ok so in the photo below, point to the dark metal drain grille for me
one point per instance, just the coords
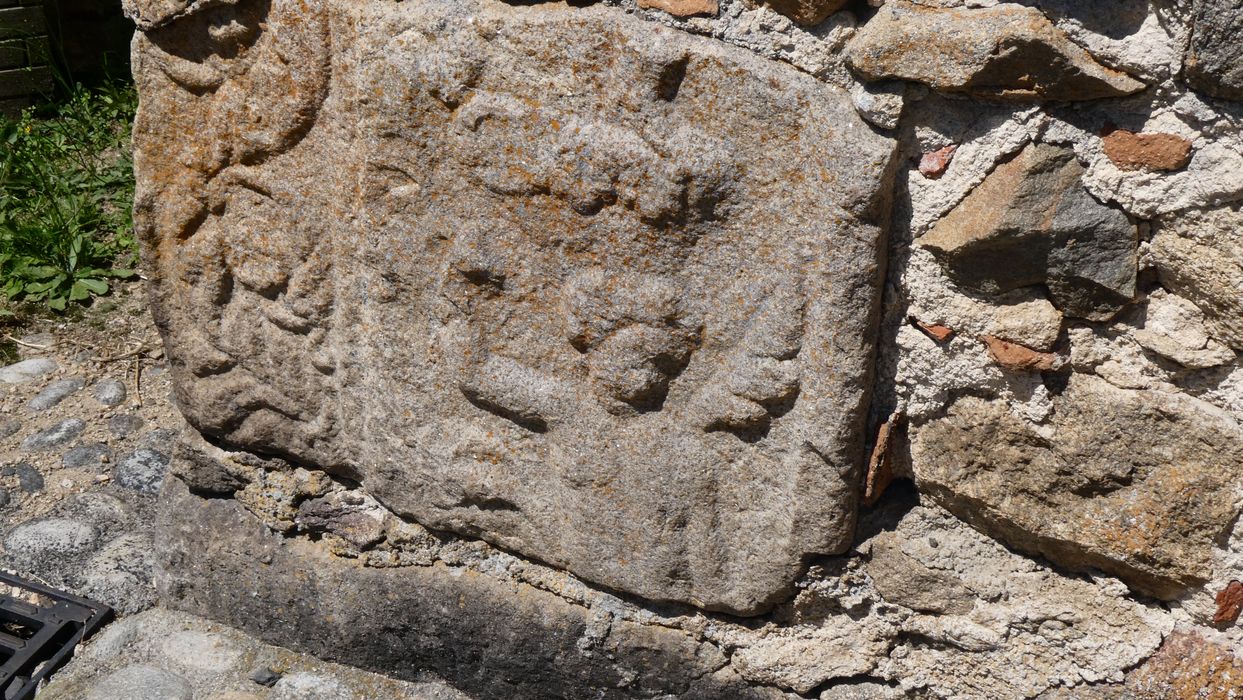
(35, 640)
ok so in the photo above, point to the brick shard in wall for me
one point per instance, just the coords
(592, 290)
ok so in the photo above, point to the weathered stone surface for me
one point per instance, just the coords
(1187, 667)
(1131, 151)
(1214, 61)
(682, 8)
(109, 392)
(1175, 329)
(1200, 257)
(632, 342)
(806, 12)
(1138, 484)
(1229, 601)
(1032, 222)
(1006, 52)
(508, 640)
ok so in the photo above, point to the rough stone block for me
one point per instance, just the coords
(1103, 486)
(592, 290)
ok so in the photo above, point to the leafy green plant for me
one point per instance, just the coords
(66, 188)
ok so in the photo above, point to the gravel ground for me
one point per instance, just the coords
(86, 429)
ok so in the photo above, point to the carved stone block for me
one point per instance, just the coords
(592, 290)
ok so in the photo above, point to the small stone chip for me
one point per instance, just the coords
(1229, 602)
(1018, 358)
(265, 676)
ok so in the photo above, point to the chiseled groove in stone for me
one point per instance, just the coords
(594, 291)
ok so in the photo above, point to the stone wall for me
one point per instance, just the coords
(25, 55)
(706, 349)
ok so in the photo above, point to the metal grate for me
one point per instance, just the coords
(39, 628)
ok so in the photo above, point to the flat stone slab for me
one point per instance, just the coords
(26, 370)
(606, 297)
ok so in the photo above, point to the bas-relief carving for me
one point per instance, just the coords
(570, 300)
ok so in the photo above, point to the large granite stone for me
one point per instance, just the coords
(1214, 61)
(592, 290)
(1138, 484)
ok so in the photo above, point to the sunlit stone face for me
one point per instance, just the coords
(594, 291)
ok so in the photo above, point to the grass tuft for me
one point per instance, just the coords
(66, 192)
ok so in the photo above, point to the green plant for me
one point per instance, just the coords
(66, 188)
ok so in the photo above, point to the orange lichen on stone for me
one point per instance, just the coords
(1017, 358)
(1187, 667)
(1131, 151)
(681, 8)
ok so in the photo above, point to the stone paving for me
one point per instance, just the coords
(86, 426)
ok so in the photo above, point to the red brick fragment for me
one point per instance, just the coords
(1229, 603)
(1017, 358)
(1155, 151)
(934, 163)
(938, 332)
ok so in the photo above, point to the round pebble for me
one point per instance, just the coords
(308, 686)
(109, 392)
(51, 536)
(125, 424)
(27, 370)
(143, 470)
(54, 436)
(28, 478)
(55, 392)
(141, 682)
(9, 427)
(265, 676)
(85, 456)
(4, 498)
(202, 650)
